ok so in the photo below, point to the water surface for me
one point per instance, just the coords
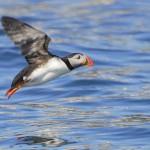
(105, 107)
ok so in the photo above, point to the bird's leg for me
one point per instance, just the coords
(10, 92)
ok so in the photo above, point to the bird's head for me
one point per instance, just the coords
(76, 60)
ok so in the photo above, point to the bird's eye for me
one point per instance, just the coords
(78, 57)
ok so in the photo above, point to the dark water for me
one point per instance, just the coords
(105, 107)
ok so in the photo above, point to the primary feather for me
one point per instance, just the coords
(32, 43)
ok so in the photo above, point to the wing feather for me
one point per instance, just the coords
(32, 43)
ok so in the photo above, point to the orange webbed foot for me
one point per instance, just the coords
(11, 91)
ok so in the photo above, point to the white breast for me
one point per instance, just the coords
(54, 68)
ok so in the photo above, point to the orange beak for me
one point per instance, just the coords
(88, 62)
(11, 91)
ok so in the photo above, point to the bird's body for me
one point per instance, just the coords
(43, 73)
(43, 65)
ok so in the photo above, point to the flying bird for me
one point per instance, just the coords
(43, 66)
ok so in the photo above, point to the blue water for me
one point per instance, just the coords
(105, 107)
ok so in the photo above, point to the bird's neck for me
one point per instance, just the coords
(66, 61)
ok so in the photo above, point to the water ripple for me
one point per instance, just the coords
(104, 107)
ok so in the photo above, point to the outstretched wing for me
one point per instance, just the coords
(32, 43)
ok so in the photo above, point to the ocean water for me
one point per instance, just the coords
(105, 107)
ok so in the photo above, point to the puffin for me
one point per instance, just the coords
(43, 66)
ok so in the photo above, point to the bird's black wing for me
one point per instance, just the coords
(32, 43)
(24, 72)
